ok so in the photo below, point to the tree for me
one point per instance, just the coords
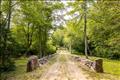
(105, 20)
(34, 25)
(85, 26)
(82, 10)
(6, 40)
(5, 26)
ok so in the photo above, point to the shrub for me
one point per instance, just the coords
(50, 47)
(8, 66)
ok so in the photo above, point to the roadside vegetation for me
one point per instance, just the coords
(111, 69)
(110, 66)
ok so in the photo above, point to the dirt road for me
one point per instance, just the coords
(64, 69)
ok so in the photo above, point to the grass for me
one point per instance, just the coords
(20, 68)
(110, 66)
(20, 71)
(111, 69)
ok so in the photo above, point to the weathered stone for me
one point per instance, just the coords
(29, 66)
(88, 63)
(42, 61)
(32, 63)
(77, 58)
(98, 65)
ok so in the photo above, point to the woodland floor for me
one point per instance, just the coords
(62, 67)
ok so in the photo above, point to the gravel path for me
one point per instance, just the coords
(64, 69)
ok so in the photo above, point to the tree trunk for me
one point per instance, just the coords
(40, 43)
(5, 52)
(9, 15)
(70, 46)
(85, 25)
(28, 36)
(0, 34)
(44, 43)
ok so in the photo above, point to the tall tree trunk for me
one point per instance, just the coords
(28, 36)
(9, 15)
(70, 46)
(0, 34)
(40, 42)
(5, 55)
(31, 36)
(85, 25)
(45, 41)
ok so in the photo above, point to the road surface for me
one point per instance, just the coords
(64, 69)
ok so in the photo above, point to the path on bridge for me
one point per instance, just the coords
(64, 69)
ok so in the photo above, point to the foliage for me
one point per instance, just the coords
(104, 34)
(6, 40)
(102, 28)
(51, 48)
(24, 28)
(57, 37)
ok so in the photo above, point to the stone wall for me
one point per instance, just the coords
(96, 65)
(34, 62)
